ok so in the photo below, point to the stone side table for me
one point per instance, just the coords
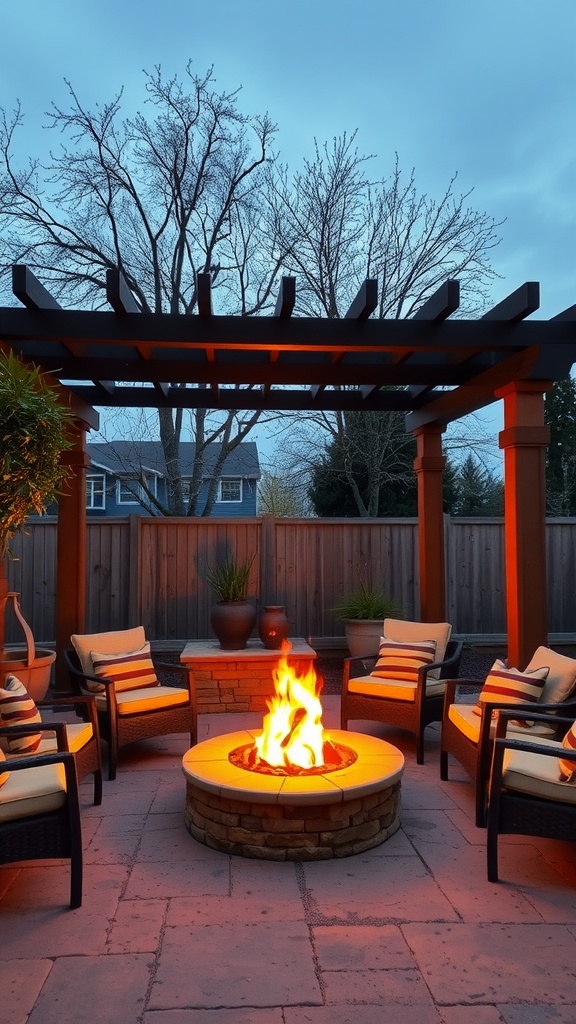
(238, 680)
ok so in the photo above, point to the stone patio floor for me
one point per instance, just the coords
(171, 932)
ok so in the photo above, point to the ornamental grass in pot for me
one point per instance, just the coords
(363, 611)
(233, 617)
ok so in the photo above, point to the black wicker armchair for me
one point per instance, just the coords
(135, 714)
(413, 708)
(469, 737)
(39, 808)
(526, 796)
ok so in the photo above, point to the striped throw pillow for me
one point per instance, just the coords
(398, 660)
(18, 708)
(568, 768)
(505, 685)
(4, 776)
(130, 671)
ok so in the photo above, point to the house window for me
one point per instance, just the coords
(230, 490)
(130, 492)
(95, 490)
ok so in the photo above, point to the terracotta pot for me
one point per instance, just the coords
(34, 675)
(233, 622)
(32, 666)
(273, 626)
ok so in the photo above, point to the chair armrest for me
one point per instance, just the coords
(522, 711)
(452, 661)
(38, 760)
(87, 700)
(177, 667)
(10, 731)
(359, 665)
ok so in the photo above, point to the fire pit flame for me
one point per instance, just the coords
(292, 733)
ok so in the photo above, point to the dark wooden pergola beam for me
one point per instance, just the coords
(298, 334)
(518, 305)
(282, 399)
(204, 294)
(365, 301)
(440, 305)
(28, 289)
(286, 298)
(119, 294)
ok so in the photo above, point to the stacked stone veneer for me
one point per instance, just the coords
(238, 680)
(284, 832)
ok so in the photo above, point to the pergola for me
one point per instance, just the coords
(433, 368)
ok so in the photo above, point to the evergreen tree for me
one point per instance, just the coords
(478, 491)
(560, 415)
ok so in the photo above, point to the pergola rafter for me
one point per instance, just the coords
(433, 367)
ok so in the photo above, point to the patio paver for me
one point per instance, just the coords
(171, 932)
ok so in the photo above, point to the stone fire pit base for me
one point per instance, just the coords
(302, 818)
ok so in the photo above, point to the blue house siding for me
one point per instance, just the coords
(111, 483)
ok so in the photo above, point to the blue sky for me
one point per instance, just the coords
(484, 88)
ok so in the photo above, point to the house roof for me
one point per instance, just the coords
(124, 457)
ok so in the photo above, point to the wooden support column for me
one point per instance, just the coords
(71, 555)
(429, 466)
(523, 440)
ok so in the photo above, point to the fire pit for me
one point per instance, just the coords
(293, 791)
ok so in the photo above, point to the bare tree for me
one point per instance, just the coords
(337, 227)
(161, 196)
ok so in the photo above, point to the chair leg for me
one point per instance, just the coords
(98, 787)
(444, 765)
(492, 848)
(76, 881)
(420, 746)
(112, 758)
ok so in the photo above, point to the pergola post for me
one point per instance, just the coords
(429, 466)
(523, 440)
(71, 554)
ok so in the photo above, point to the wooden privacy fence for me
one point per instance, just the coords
(153, 571)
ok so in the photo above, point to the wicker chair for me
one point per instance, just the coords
(526, 796)
(82, 740)
(468, 737)
(39, 808)
(137, 713)
(407, 706)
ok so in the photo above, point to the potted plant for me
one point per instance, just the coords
(233, 617)
(363, 611)
(33, 433)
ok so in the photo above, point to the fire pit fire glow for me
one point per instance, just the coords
(292, 734)
(293, 740)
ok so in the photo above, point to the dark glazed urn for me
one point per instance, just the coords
(273, 626)
(233, 622)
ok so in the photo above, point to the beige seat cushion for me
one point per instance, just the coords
(561, 680)
(150, 698)
(536, 775)
(402, 629)
(396, 689)
(465, 718)
(114, 642)
(78, 733)
(32, 791)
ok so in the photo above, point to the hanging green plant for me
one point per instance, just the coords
(33, 434)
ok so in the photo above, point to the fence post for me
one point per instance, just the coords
(267, 568)
(135, 570)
